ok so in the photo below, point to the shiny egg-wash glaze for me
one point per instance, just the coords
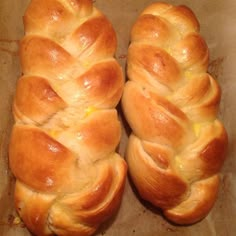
(177, 145)
(69, 179)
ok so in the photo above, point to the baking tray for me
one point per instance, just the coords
(135, 217)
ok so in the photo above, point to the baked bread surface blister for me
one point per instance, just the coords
(69, 178)
(177, 145)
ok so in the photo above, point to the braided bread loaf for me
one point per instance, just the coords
(69, 179)
(177, 145)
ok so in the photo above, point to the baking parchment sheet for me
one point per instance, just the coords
(135, 217)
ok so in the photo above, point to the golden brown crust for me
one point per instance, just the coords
(62, 148)
(160, 186)
(177, 146)
(202, 198)
(36, 99)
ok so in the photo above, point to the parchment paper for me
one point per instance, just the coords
(135, 218)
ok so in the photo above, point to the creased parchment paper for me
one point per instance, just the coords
(135, 218)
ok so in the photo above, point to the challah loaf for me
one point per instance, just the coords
(177, 145)
(69, 178)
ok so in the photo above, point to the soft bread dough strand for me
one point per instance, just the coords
(177, 145)
(69, 179)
